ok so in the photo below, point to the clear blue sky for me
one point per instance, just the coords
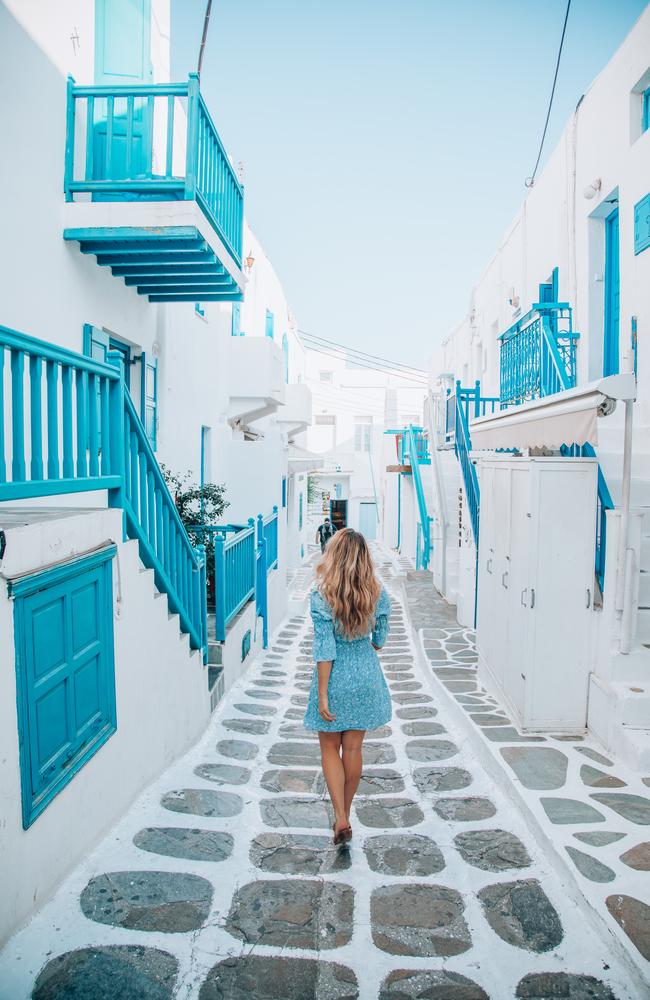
(386, 142)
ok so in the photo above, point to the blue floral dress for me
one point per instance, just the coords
(357, 692)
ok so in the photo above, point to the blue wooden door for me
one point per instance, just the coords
(65, 674)
(368, 520)
(122, 56)
(612, 295)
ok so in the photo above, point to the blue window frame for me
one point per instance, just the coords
(612, 295)
(645, 119)
(65, 674)
(268, 328)
(149, 397)
(199, 310)
(284, 491)
(300, 512)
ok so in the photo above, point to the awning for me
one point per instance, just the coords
(569, 417)
(301, 460)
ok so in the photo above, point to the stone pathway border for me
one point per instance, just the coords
(589, 812)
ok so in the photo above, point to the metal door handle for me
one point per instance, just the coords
(503, 579)
(532, 599)
(588, 597)
(488, 565)
(523, 593)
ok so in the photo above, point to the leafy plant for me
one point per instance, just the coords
(311, 489)
(198, 507)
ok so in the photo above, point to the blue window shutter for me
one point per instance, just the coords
(284, 491)
(149, 397)
(96, 343)
(65, 673)
(269, 324)
(285, 354)
(236, 319)
(642, 224)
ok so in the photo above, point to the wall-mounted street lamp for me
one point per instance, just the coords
(248, 262)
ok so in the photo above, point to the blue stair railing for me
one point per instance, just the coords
(114, 152)
(90, 437)
(604, 503)
(234, 574)
(538, 354)
(415, 451)
(269, 529)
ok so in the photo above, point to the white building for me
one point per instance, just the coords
(122, 244)
(354, 407)
(575, 259)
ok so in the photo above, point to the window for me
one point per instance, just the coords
(149, 397)
(645, 110)
(324, 432)
(268, 328)
(65, 673)
(640, 107)
(362, 433)
(284, 491)
(300, 511)
(326, 377)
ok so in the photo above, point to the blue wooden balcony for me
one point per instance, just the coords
(151, 191)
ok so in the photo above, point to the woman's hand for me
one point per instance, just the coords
(324, 712)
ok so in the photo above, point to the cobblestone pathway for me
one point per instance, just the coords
(221, 881)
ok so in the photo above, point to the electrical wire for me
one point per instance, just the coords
(363, 354)
(413, 379)
(531, 180)
(204, 36)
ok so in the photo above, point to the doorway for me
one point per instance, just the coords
(612, 295)
(368, 520)
(339, 513)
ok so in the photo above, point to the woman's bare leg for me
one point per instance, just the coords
(330, 749)
(352, 741)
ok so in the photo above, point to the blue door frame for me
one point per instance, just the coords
(612, 295)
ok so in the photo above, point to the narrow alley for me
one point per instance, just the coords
(221, 881)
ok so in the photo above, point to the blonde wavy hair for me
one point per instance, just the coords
(345, 576)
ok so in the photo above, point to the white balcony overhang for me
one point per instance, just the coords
(569, 417)
(256, 383)
(167, 250)
(296, 414)
(300, 460)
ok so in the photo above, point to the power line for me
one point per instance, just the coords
(204, 36)
(364, 354)
(413, 379)
(531, 180)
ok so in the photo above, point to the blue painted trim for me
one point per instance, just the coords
(645, 111)
(269, 324)
(36, 799)
(611, 358)
(642, 225)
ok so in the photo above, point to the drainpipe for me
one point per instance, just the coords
(625, 559)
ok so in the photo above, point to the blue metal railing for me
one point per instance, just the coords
(463, 447)
(471, 403)
(538, 357)
(268, 529)
(90, 437)
(419, 445)
(235, 574)
(413, 445)
(122, 143)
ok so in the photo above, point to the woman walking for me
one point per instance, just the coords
(350, 611)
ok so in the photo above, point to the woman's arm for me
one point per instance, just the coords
(324, 668)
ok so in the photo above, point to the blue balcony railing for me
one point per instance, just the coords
(472, 405)
(414, 440)
(152, 142)
(268, 529)
(89, 437)
(415, 451)
(538, 354)
(234, 574)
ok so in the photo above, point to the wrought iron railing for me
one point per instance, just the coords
(90, 437)
(538, 354)
(152, 142)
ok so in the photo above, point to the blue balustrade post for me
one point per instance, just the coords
(203, 598)
(68, 172)
(263, 593)
(192, 152)
(260, 529)
(220, 585)
(117, 496)
(477, 398)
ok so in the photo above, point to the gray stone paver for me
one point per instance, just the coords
(250, 899)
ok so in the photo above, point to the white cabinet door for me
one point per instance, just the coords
(485, 633)
(502, 569)
(516, 666)
(562, 544)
